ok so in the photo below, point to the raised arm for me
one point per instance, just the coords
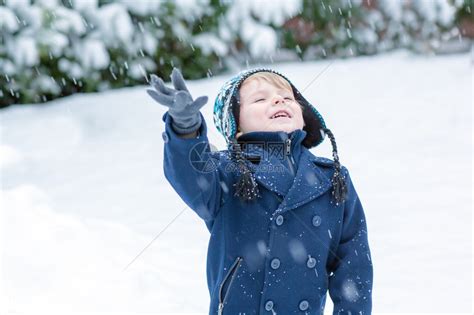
(188, 161)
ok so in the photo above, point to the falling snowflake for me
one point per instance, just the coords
(297, 250)
(349, 290)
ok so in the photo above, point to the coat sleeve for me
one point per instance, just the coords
(350, 267)
(192, 170)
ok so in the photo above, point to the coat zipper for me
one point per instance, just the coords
(288, 153)
(292, 163)
(232, 271)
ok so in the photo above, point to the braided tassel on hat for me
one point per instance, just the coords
(339, 191)
(246, 187)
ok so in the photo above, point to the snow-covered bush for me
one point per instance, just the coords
(354, 27)
(53, 48)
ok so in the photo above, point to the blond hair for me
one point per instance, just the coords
(271, 78)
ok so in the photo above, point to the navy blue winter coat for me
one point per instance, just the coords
(282, 253)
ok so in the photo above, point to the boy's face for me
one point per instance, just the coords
(260, 101)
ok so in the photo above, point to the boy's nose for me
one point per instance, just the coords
(278, 99)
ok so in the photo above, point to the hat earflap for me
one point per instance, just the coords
(339, 191)
(246, 186)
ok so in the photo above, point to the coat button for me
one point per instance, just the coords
(311, 262)
(269, 305)
(279, 220)
(304, 305)
(275, 264)
(316, 220)
(165, 137)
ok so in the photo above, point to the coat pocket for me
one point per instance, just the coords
(229, 278)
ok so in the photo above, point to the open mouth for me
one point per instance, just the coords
(281, 114)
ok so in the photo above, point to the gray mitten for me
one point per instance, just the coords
(183, 110)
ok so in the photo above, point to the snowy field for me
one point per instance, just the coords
(83, 191)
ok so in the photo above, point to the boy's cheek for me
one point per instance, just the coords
(249, 116)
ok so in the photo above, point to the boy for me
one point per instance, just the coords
(286, 226)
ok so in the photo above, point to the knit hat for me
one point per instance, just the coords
(226, 123)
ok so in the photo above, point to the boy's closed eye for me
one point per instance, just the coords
(263, 99)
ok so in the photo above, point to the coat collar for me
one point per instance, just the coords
(271, 170)
(274, 156)
(258, 143)
(310, 182)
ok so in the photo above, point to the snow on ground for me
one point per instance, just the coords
(83, 190)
